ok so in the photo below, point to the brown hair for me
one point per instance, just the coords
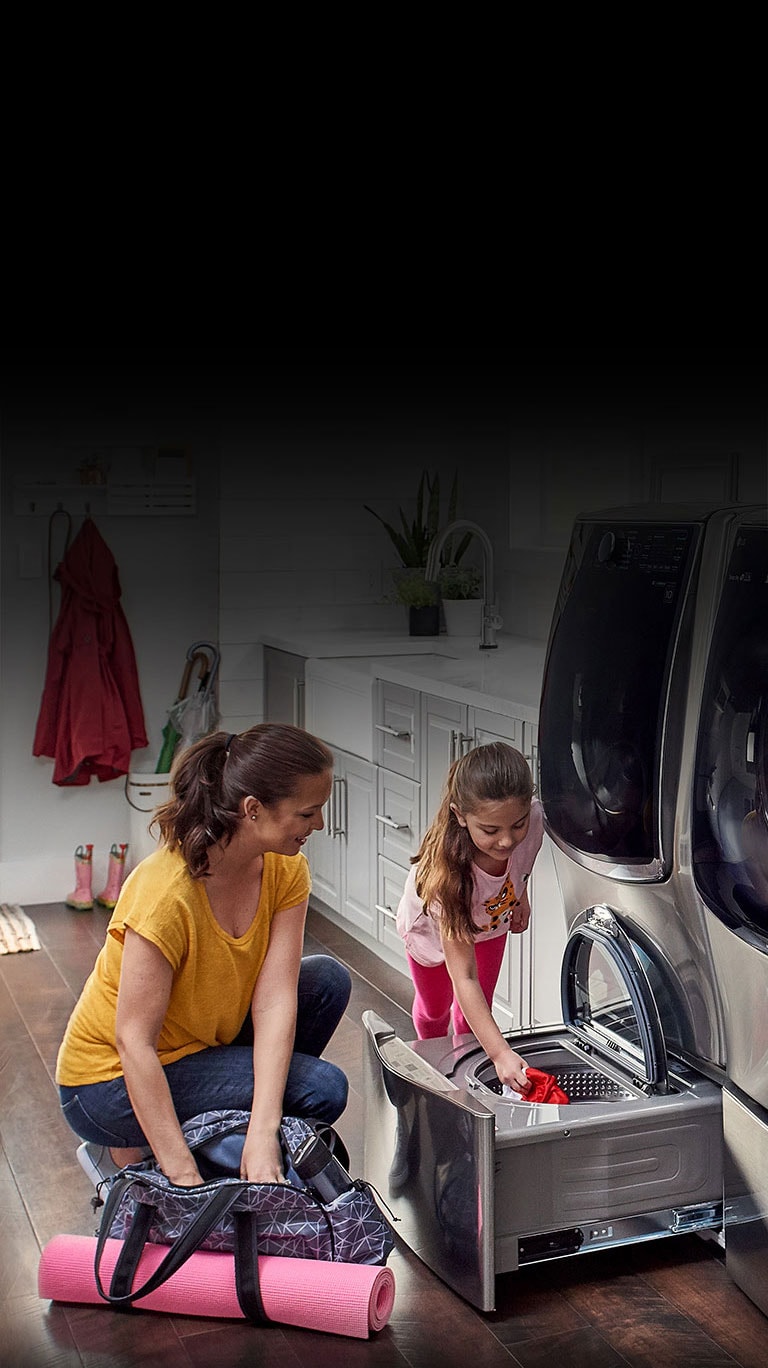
(210, 779)
(489, 773)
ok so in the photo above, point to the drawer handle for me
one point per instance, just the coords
(396, 826)
(401, 736)
(386, 911)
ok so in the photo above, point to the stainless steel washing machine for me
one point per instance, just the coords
(727, 817)
(483, 1184)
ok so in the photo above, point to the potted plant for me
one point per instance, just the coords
(413, 540)
(461, 594)
(420, 597)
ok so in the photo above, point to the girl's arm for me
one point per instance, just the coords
(146, 978)
(462, 966)
(273, 1012)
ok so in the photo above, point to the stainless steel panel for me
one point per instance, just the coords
(745, 1131)
(742, 971)
(430, 1153)
(669, 922)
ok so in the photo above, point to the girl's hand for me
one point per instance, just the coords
(262, 1160)
(510, 1069)
(519, 917)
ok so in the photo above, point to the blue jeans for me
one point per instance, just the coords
(222, 1077)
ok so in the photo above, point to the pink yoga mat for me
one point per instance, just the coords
(342, 1298)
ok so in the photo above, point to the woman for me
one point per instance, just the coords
(200, 998)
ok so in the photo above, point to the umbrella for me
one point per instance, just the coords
(192, 715)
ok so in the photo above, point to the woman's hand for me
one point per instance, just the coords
(184, 1175)
(510, 1069)
(262, 1160)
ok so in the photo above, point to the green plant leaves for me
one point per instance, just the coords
(413, 542)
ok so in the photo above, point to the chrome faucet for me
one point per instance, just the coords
(491, 621)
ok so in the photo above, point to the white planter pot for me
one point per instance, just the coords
(463, 617)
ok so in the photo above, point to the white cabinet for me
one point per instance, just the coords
(342, 857)
(391, 882)
(444, 738)
(449, 729)
(283, 686)
(397, 728)
(397, 819)
(338, 704)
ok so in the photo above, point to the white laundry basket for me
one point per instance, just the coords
(144, 792)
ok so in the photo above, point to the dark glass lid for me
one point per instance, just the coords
(606, 693)
(607, 999)
(730, 800)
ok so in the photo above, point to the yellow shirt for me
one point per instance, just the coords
(214, 974)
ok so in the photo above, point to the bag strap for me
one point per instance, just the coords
(333, 1140)
(247, 1283)
(220, 1200)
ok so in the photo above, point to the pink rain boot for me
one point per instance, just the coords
(82, 897)
(115, 875)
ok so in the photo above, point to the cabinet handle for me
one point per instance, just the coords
(465, 744)
(401, 736)
(385, 911)
(396, 826)
(298, 700)
(338, 810)
(535, 765)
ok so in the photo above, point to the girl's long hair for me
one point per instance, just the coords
(210, 779)
(444, 874)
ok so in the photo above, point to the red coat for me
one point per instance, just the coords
(91, 716)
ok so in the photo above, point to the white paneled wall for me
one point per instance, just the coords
(297, 545)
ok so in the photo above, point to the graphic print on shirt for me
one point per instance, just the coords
(500, 906)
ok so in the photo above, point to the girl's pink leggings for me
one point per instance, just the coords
(433, 998)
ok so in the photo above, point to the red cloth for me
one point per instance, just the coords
(543, 1088)
(91, 716)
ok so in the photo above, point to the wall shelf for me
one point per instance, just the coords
(139, 498)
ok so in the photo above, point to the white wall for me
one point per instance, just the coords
(298, 546)
(168, 568)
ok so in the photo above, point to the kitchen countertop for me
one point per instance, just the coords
(506, 680)
(348, 641)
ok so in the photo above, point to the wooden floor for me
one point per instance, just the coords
(667, 1303)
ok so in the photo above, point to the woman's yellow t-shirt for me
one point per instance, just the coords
(214, 974)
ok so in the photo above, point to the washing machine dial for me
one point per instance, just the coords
(606, 550)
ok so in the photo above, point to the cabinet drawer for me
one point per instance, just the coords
(339, 714)
(489, 726)
(396, 728)
(390, 885)
(397, 817)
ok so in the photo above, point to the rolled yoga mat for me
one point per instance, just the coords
(341, 1298)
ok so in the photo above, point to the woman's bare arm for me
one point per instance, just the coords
(273, 1012)
(142, 1002)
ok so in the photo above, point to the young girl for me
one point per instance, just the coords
(467, 889)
